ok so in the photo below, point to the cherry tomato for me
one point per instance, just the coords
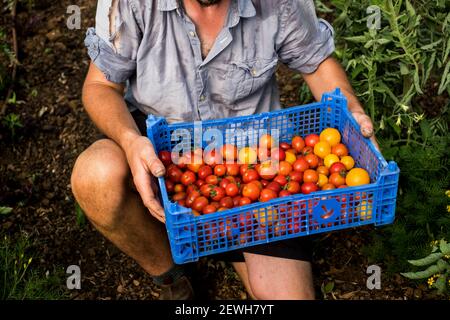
(296, 176)
(263, 154)
(312, 160)
(165, 157)
(244, 168)
(309, 187)
(300, 165)
(285, 168)
(232, 169)
(236, 201)
(250, 175)
(284, 193)
(199, 183)
(267, 195)
(229, 153)
(251, 191)
(339, 168)
(323, 180)
(330, 159)
(298, 143)
(275, 186)
(220, 170)
(179, 196)
(227, 202)
(244, 201)
(224, 182)
(188, 178)
(357, 177)
(217, 193)
(264, 182)
(330, 135)
(322, 149)
(281, 180)
(212, 157)
(293, 187)
(266, 141)
(179, 188)
(209, 209)
(278, 154)
(328, 186)
(247, 155)
(258, 184)
(191, 198)
(336, 179)
(212, 179)
(348, 162)
(169, 186)
(323, 170)
(290, 157)
(174, 173)
(267, 170)
(307, 150)
(232, 190)
(204, 171)
(206, 190)
(310, 176)
(340, 150)
(311, 140)
(285, 146)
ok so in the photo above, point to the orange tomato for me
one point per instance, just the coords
(322, 149)
(336, 179)
(357, 177)
(323, 170)
(331, 135)
(310, 176)
(328, 186)
(285, 168)
(340, 150)
(290, 157)
(323, 180)
(348, 162)
(266, 141)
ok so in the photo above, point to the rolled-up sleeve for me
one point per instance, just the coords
(113, 43)
(304, 41)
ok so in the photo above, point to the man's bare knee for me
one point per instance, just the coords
(100, 182)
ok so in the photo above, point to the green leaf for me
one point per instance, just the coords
(445, 80)
(327, 288)
(410, 9)
(5, 210)
(81, 217)
(444, 247)
(441, 284)
(426, 129)
(432, 258)
(421, 274)
(442, 265)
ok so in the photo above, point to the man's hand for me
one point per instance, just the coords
(145, 165)
(366, 126)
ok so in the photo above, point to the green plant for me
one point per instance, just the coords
(18, 280)
(437, 267)
(5, 210)
(80, 216)
(12, 122)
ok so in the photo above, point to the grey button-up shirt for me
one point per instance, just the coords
(153, 46)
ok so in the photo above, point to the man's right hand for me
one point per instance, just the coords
(144, 164)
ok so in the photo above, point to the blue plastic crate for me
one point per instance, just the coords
(193, 237)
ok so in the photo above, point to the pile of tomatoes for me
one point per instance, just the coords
(213, 181)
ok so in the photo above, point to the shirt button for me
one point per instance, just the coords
(254, 72)
(202, 98)
(192, 34)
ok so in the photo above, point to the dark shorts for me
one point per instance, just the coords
(297, 248)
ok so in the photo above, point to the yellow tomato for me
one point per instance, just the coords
(357, 177)
(248, 155)
(322, 149)
(323, 180)
(290, 157)
(266, 216)
(330, 159)
(348, 162)
(364, 210)
(331, 135)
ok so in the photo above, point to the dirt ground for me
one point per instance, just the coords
(35, 172)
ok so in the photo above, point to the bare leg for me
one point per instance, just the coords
(271, 278)
(241, 269)
(102, 185)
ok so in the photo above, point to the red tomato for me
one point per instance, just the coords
(204, 171)
(232, 169)
(169, 186)
(258, 184)
(340, 150)
(212, 179)
(312, 160)
(250, 175)
(251, 191)
(244, 168)
(217, 193)
(285, 146)
(281, 180)
(296, 176)
(263, 154)
(244, 201)
(267, 171)
(307, 150)
(328, 186)
(227, 202)
(323, 170)
(298, 143)
(267, 195)
(232, 190)
(312, 139)
(310, 176)
(266, 141)
(212, 158)
(174, 173)
(165, 157)
(206, 189)
(338, 167)
(179, 196)
(309, 187)
(199, 183)
(337, 179)
(275, 186)
(293, 187)
(264, 183)
(229, 152)
(285, 168)
(300, 165)
(284, 193)
(236, 201)
(209, 209)
(191, 188)
(188, 178)
(220, 170)
(224, 182)
(278, 154)
(191, 198)
(179, 188)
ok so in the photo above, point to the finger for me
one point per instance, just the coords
(365, 124)
(154, 165)
(142, 181)
(375, 142)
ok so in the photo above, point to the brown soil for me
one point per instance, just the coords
(35, 169)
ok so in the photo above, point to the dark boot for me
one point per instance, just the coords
(181, 289)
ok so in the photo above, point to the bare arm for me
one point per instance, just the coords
(331, 75)
(104, 102)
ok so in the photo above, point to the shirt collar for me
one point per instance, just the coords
(246, 9)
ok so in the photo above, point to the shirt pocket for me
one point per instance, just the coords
(243, 78)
